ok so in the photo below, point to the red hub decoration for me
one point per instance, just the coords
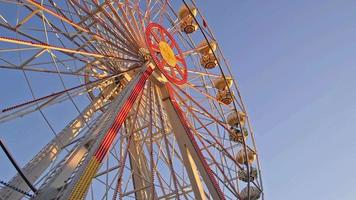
(166, 54)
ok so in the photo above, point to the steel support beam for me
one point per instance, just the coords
(18, 169)
(193, 159)
(42, 160)
(98, 150)
(139, 166)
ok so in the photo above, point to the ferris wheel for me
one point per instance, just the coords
(130, 99)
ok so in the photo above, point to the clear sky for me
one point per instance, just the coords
(295, 63)
(296, 66)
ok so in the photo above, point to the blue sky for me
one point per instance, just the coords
(295, 64)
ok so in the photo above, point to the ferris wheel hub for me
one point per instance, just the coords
(166, 54)
(144, 53)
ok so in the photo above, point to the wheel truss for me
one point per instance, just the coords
(157, 117)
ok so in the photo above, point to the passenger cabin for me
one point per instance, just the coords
(255, 193)
(187, 22)
(236, 118)
(242, 175)
(236, 135)
(222, 85)
(205, 50)
(241, 156)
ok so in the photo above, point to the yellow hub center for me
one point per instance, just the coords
(167, 53)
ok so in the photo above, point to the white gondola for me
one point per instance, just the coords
(241, 156)
(206, 50)
(208, 61)
(235, 118)
(224, 96)
(242, 175)
(236, 135)
(255, 193)
(187, 23)
(222, 83)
